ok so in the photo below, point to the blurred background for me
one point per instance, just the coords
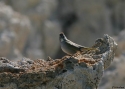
(30, 28)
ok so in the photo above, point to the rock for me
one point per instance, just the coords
(68, 72)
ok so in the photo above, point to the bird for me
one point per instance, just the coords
(70, 47)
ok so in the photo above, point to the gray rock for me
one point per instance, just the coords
(64, 73)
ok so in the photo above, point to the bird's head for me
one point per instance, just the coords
(62, 37)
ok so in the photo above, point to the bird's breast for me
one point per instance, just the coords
(69, 49)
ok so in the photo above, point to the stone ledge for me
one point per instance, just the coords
(79, 71)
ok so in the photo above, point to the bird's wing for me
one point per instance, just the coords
(82, 48)
(74, 44)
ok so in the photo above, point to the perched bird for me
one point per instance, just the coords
(70, 47)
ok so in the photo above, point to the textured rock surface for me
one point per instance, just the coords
(80, 71)
(80, 20)
(114, 76)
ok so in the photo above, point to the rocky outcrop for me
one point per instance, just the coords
(114, 76)
(82, 70)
